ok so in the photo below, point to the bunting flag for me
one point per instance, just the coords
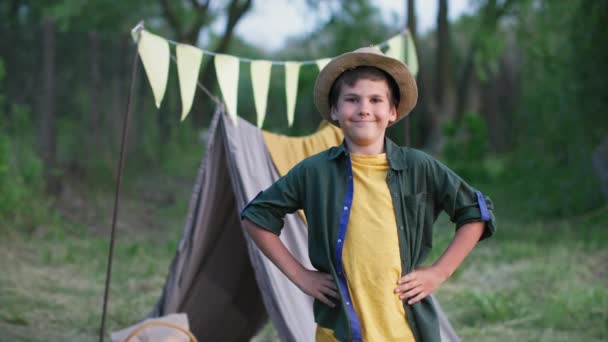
(292, 72)
(396, 48)
(321, 63)
(227, 70)
(412, 57)
(188, 65)
(260, 80)
(154, 53)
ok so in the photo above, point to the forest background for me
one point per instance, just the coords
(513, 97)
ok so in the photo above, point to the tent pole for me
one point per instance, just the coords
(121, 163)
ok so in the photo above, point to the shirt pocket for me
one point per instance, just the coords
(416, 207)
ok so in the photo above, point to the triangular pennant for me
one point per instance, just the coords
(227, 71)
(260, 80)
(412, 56)
(396, 48)
(292, 71)
(154, 53)
(321, 63)
(188, 65)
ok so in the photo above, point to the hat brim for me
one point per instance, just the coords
(408, 90)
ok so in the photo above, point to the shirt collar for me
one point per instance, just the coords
(394, 154)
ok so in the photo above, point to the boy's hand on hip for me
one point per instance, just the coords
(420, 283)
(318, 285)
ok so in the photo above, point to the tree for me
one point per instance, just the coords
(490, 13)
(187, 19)
(440, 111)
(48, 130)
(411, 26)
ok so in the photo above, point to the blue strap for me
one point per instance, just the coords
(485, 213)
(344, 216)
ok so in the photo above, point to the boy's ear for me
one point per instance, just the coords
(393, 114)
(333, 113)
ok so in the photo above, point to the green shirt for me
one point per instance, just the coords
(421, 188)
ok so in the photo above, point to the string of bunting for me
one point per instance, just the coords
(155, 55)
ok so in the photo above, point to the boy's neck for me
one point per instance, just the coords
(372, 149)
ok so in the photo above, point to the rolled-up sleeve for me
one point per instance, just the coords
(463, 203)
(269, 207)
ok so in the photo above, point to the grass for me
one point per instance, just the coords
(53, 276)
(533, 281)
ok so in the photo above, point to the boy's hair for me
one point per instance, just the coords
(350, 77)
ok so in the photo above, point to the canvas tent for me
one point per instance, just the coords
(228, 288)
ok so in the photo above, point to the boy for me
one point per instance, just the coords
(370, 207)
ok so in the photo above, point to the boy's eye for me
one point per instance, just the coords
(376, 100)
(350, 99)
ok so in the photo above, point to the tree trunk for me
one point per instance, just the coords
(411, 26)
(464, 84)
(48, 130)
(490, 14)
(201, 17)
(498, 98)
(94, 123)
(443, 72)
(208, 79)
(439, 104)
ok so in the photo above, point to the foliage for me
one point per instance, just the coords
(558, 61)
(562, 115)
(21, 177)
(467, 149)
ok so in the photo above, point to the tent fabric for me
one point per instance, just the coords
(287, 151)
(227, 287)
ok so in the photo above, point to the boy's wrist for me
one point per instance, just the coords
(298, 275)
(442, 271)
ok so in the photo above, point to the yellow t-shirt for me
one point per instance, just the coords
(371, 259)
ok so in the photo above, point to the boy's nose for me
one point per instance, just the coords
(364, 110)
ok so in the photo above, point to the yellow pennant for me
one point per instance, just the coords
(188, 65)
(227, 71)
(154, 53)
(396, 48)
(321, 63)
(292, 72)
(412, 56)
(260, 80)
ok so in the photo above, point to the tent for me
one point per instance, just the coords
(228, 288)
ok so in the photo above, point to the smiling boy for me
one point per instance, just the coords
(370, 207)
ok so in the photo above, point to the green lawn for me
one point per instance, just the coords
(533, 281)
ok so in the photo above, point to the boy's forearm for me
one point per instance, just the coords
(465, 239)
(272, 246)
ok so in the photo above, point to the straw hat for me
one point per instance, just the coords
(367, 56)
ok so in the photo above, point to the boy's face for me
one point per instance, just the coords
(364, 111)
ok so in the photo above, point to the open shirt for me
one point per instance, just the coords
(322, 185)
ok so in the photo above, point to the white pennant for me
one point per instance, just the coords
(321, 63)
(154, 53)
(227, 71)
(396, 48)
(412, 56)
(292, 71)
(188, 65)
(260, 80)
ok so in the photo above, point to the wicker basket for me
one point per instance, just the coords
(156, 323)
